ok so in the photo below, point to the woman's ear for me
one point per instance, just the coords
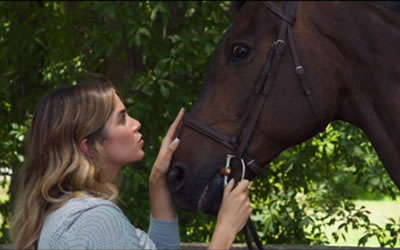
(84, 146)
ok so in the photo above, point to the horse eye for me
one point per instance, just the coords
(240, 50)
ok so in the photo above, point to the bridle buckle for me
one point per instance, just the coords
(229, 158)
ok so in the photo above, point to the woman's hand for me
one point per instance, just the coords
(168, 146)
(232, 216)
(162, 207)
(235, 208)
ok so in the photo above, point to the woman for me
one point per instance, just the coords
(79, 139)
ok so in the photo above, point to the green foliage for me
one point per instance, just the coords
(311, 185)
(157, 53)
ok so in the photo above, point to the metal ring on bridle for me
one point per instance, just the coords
(229, 157)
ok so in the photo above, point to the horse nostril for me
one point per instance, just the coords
(176, 175)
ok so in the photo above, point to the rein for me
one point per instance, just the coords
(239, 142)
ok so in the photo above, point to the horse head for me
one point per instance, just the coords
(273, 83)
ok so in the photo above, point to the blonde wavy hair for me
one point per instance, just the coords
(55, 169)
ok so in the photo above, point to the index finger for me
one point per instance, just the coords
(242, 186)
(172, 129)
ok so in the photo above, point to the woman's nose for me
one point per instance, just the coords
(136, 125)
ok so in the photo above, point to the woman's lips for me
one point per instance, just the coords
(140, 141)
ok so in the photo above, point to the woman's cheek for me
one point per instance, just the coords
(124, 140)
(128, 141)
(120, 146)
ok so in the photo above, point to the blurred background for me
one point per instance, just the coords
(330, 190)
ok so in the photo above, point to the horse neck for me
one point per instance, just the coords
(370, 90)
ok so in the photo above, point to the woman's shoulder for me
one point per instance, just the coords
(75, 207)
(79, 205)
(79, 215)
(82, 204)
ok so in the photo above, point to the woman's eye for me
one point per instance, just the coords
(123, 118)
(240, 51)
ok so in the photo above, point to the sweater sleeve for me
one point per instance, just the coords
(165, 234)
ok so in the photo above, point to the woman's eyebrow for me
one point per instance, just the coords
(121, 112)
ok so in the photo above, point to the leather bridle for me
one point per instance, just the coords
(239, 142)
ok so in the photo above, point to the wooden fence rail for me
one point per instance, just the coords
(200, 246)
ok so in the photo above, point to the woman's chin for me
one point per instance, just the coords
(135, 157)
(138, 156)
(141, 154)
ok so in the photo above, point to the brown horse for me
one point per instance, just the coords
(282, 72)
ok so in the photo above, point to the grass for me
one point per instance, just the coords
(380, 212)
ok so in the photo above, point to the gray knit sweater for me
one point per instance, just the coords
(92, 223)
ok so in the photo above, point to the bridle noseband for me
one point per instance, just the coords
(239, 142)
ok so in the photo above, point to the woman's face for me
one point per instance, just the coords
(124, 143)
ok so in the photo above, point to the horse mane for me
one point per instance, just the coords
(391, 5)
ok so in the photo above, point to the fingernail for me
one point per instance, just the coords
(176, 140)
(231, 181)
